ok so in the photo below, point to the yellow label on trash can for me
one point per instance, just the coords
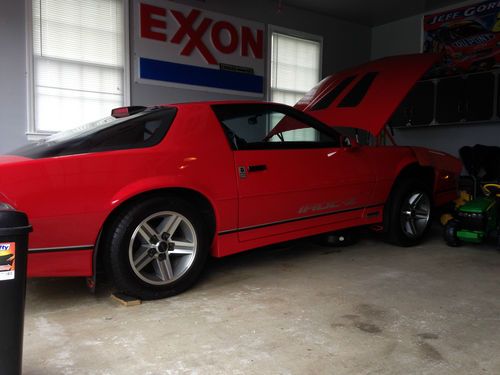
(7, 261)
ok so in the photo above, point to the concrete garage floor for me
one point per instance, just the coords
(304, 309)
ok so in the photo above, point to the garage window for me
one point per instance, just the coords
(295, 68)
(78, 65)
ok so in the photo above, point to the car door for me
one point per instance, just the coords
(293, 172)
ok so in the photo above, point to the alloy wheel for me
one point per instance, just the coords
(415, 214)
(162, 248)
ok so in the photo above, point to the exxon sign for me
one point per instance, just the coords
(177, 45)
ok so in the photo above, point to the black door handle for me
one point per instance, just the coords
(257, 168)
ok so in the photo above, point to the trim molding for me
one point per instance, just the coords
(297, 219)
(64, 248)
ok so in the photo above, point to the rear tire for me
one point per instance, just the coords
(408, 213)
(157, 248)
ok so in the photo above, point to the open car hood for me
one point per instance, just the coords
(366, 96)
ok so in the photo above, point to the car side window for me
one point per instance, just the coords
(141, 132)
(268, 126)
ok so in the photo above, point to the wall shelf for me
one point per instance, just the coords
(466, 99)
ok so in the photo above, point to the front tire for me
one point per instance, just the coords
(409, 213)
(157, 248)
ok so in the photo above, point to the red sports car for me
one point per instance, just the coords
(150, 193)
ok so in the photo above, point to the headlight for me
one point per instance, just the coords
(5, 206)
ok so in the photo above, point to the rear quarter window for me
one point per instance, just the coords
(142, 130)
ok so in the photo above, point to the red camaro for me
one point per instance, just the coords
(151, 192)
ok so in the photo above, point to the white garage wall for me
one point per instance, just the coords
(345, 44)
(402, 37)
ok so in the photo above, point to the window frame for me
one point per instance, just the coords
(32, 133)
(271, 29)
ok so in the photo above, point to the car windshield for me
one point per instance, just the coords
(144, 129)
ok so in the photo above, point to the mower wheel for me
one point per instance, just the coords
(450, 233)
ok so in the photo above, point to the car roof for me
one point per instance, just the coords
(217, 102)
(363, 97)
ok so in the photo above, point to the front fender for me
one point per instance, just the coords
(437, 159)
(446, 169)
(405, 162)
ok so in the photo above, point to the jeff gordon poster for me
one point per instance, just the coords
(467, 37)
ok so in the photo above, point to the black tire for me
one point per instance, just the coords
(450, 233)
(397, 230)
(126, 239)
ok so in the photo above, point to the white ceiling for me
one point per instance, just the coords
(369, 12)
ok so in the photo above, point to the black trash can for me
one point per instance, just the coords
(14, 230)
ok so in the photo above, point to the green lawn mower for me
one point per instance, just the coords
(476, 220)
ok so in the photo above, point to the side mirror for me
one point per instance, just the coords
(349, 142)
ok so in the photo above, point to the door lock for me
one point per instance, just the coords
(242, 171)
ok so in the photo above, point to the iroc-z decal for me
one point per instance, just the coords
(325, 206)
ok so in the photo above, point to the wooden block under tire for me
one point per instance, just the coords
(125, 299)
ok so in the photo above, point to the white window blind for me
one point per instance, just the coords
(295, 69)
(78, 61)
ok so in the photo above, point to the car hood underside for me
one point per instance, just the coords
(366, 96)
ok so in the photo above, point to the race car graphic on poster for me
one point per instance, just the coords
(7, 260)
(467, 37)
